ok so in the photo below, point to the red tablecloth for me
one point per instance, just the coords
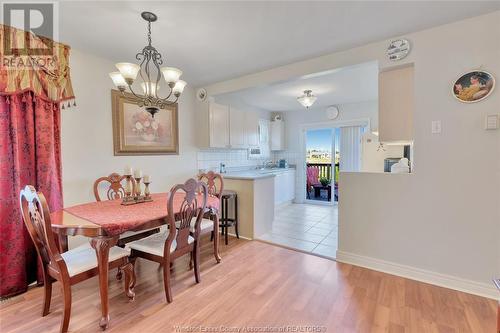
(116, 218)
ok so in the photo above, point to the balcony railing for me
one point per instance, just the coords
(325, 170)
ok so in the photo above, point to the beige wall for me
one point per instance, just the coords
(87, 136)
(445, 217)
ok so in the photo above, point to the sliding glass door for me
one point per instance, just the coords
(328, 151)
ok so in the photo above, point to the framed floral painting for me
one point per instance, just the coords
(136, 132)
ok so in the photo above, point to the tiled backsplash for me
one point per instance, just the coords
(290, 156)
(211, 159)
(237, 158)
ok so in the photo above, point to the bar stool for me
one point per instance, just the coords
(225, 222)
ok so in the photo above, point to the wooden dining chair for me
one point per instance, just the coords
(69, 267)
(112, 185)
(166, 247)
(215, 186)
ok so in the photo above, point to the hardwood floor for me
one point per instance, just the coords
(258, 284)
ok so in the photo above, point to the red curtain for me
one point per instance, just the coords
(30, 153)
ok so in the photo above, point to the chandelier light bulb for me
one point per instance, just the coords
(149, 88)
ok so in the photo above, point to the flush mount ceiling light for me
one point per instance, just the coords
(307, 99)
(150, 72)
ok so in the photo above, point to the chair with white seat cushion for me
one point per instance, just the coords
(178, 240)
(155, 244)
(83, 258)
(70, 267)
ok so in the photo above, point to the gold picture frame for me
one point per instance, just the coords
(135, 132)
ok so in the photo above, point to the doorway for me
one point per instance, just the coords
(322, 164)
(328, 149)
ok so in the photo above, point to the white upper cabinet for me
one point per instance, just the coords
(218, 115)
(237, 128)
(252, 129)
(230, 127)
(263, 131)
(277, 135)
(396, 105)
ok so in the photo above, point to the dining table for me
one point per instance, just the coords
(104, 221)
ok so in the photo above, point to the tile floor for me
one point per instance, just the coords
(306, 227)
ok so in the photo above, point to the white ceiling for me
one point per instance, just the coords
(213, 41)
(340, 86)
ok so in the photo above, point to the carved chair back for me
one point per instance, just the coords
(112, 185)
(214, 182)
(194, 200)
(36, 216)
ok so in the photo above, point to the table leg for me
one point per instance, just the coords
(63, 242)
(216, 238)
(101, 246)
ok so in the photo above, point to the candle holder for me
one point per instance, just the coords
(138, 191)
(133, 192)
(128, 199)
(147, 194)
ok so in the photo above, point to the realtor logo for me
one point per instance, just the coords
(38, 19)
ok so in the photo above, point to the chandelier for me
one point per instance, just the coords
(307, 99)
(150, 73)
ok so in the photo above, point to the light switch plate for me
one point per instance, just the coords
(436, 126)
(491, 122)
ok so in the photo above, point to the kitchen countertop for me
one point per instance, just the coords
(255, 174)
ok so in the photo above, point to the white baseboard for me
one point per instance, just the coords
(422, 275)
(283, 204)
(234, 235)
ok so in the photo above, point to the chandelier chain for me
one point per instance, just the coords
(149, 33)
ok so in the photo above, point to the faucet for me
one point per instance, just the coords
(268, 164)
(222, 168)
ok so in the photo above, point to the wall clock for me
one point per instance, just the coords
(398, 49)
(332, 112)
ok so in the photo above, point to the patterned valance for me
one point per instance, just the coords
(27, 69)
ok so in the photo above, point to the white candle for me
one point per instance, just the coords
(146, 179)
(138, 173)
(128, 171)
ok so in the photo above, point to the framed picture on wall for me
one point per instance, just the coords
(473, 86)
(136, 132)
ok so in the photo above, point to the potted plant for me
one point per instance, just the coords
(324, 181)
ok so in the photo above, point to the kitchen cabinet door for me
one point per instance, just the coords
(252, 128)
(284, 187)
(237, 129)
(279, 189)
(263, 131)
(290, 185)
(218, 125)
(277, 135)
